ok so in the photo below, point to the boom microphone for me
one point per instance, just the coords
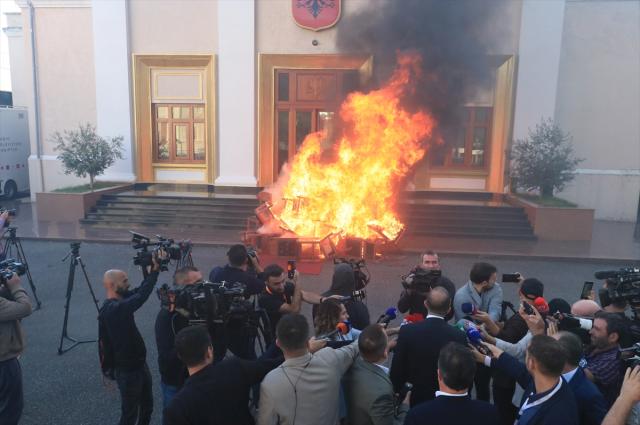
(388, 316)
(607, 274)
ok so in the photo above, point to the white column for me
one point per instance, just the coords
(113, 103)
(539, 63)
(236, 94)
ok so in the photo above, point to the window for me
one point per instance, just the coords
(468, 146)
(179, 133)
(305, 103)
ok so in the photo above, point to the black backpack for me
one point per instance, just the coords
(105, 350)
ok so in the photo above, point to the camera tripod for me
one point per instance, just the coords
(75, 259)
(13, 245)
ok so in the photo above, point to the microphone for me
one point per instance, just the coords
(469, 308)
(412, 318)
(541, 305)
(341, 328)
(387, 317)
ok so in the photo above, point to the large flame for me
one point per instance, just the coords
(351, 186)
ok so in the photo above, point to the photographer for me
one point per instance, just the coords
(14, 306)
(280, 298)
(126, 344)
(412, 298)
(243, 267)
(168, 323)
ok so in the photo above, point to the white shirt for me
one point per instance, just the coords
(433, 315)
(384, 368)
(567, 376)
(439, 393)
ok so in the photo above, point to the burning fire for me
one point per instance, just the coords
(350, 188)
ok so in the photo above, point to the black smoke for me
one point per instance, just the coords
(450, 35)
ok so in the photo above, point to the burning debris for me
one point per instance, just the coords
(342, 197)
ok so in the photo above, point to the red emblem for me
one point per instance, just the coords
(315, 15)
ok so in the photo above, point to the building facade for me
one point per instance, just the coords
(223, 92)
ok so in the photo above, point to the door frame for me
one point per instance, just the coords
(268, 64)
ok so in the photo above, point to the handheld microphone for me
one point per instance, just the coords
(541, 305)
(387, 317)
(341, 328)
(469, 308)
(412, 318)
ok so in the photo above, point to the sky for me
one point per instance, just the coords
(6, 6)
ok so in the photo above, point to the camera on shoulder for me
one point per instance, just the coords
(421, 280)
(146, 250)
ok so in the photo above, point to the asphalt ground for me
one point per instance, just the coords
(69, 389)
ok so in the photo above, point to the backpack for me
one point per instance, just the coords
(105, 351)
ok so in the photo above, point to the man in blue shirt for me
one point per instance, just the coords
(483, 293)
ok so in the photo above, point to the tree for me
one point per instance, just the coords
(545, 160)
(83, 152)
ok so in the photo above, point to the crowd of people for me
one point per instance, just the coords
(458, 357)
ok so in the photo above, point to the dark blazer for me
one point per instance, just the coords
(561, 408)
(416, 356)
(369, 396)
(445, 410)
(218, 394)
(591, 405)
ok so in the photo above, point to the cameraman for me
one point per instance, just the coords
(412, 299)
(168, 323)
(243, 267)
(14, 305)
(129, 352)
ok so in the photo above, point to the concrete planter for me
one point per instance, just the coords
(557, 223)
(70, 207)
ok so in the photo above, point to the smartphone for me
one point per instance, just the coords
(586, 290)
(527, 308)
(511, 278)
(291, 269)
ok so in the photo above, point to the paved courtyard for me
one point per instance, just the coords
(68, 389)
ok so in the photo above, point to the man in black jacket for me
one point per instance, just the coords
(131, 371)
(168, 323)
(453, 405)
(213, 394)
(412, 300)
(418, 348)
(243, 267)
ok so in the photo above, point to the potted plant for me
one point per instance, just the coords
(83, 153)
(543, 163)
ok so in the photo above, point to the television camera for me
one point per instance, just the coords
(8, 268)
(180, 252)
(421, 280)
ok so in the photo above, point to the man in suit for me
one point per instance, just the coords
(368, 390)
(418, 348)
(592, 407)
(305, 389)
(452, 405)
(547, 400)
(213, 394)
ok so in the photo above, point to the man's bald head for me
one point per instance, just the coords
(116, 280)
(438, 301)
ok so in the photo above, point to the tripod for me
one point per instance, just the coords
(12, 245)
(75, 260)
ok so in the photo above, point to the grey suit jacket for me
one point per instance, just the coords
(369, 396)
(305, 390)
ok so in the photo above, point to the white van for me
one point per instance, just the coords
(14, 151)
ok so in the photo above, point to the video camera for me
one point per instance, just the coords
(207, 302)
(421, 280)
(144, 257)
(360, 271)
(8, 268)
(623, 284)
